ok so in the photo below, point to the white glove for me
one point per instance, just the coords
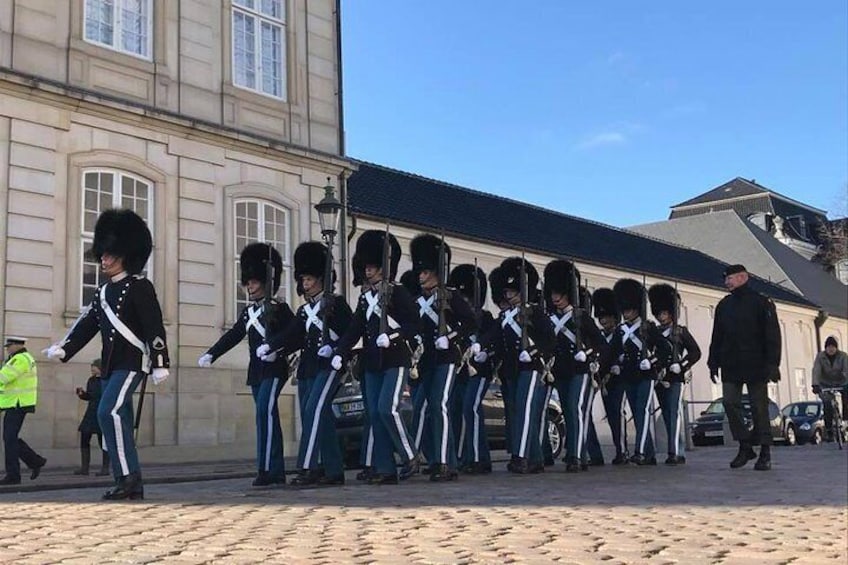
(442, 342)
(54, 352)
(594, 367)
(475, 349)
(480, 357)
(675, 368)
(580, 356)
(159, 375)
(383, 341)
(263, 350)
(269, 358)
(325, 351)
(336, 363)
(621, 358)
(205, 361)
(524, 357)
(615, 370)
(645, 365)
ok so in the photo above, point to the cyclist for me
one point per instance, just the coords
(830, 370)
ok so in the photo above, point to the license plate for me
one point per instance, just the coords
(715, 433)
(349, 407)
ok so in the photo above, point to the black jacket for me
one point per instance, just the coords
(565, 365)
(504, 340)
(628, 354)
(257, 370)
(92, 393)
(746, 338)
(461, 325)
(677, 347)
(304, 335)
(133, 300)
(365, 325)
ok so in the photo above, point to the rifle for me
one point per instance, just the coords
(441, 291)
(577, 311)
(522, 308)
(327, 296)
(643, 328)
(385, 288)
(267, 318)
(478, 315)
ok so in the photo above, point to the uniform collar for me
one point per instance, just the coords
(119, 277)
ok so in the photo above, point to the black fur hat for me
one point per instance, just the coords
(662, 297)
(558, 278)
(603, 301)
(497, 282)
(410, 281)
(463, 277)
(358, 270)
(124, 234)
(310, 258)
(369, 248)
(426, 251)
(252, 264)
(512, 275)
(628, 294)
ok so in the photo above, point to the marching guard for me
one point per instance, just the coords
(127, 314)
(386, 321)
(579, 346)
(261, 269)
(679, 351)
(633, 350)
(317, 327)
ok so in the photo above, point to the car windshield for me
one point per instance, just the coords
(716, 407)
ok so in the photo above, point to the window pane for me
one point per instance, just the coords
(273, 8)
(245, 3)
(100, 21)
(244, 56)
(134, 26)
(272, 70)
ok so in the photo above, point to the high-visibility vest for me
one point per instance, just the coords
(18, 381)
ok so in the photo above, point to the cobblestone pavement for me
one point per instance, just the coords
(702, 512)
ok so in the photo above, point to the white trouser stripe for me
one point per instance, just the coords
(419, 432)
(119, 429)
(677, 421)
(445, 420)
(477, 400)
(587, 417)
(369, 447)
(270, 424)
(316, 418)
(646, 422)
(581, 428)
(622, 421)
(525, 428)
(401, 430)
(543, 417)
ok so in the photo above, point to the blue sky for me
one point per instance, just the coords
(611, 111)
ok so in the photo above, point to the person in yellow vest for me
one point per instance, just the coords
(18, 395)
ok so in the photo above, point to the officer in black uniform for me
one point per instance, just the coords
(319, 324)
(127, 314)
(261, 318)
(89, 426)
(745, 348)
(680, 351)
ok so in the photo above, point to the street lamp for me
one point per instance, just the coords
(329, 213)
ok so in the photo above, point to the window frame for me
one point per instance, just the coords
(260, 17)
(117, 34)
(117, 195)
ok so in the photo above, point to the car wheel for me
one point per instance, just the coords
(556, 435)
(791, 437)
(817, 437)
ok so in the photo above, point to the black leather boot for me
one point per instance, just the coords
(85, 461)
(127, 487)
(442, 473)
(411, 468)
(764, 461)
(365, 474)
(306, 478)
(746, 453)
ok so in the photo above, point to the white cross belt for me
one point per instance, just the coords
(312, 319)
(629, 333)
(373, 300)
(561, 328)
(253, 320)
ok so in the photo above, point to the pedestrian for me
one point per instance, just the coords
(126, 312)
(89, 426)
(681, 352)
(263, 316)
(18, 397)
(830, 370)
(316, 329)
(745, 351)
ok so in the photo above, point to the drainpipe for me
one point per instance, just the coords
(340, 87)
(820, 320)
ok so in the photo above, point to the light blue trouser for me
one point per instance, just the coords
(420, 422)
(639, 397)
(457, 417)
(614, 407)
(390, 434)
(366, 446)
(318, 443)
(269, 434)
(441, 380)
(528, 405)
(115, 414)
(574, 392)
(476, 443)
(671, 404)
(591, 446)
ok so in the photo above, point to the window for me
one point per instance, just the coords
(123, 25)
(801, 382)
(259, 48)
(104, 189)
(256, 220)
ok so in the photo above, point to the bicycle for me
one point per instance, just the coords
(837, 427)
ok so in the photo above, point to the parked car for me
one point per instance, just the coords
(349, 411)
(803, 422)
(708, 429)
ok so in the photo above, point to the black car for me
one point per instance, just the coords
(708, 429)
(803, 422)
(349, 411)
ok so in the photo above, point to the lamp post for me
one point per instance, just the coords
(329, 213)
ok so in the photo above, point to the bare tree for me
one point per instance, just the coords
(833, 236)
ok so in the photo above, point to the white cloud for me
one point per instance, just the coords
(603, 139)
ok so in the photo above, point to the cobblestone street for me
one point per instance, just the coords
(699, 513)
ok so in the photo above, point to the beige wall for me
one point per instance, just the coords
(190, 70)
(46, 142)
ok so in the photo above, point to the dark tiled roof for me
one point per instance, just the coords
(386, 194)
(733, 189)
(744, 207)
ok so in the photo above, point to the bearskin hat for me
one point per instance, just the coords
(310, 258)
(628, 294)
(369, 248)
(558, 278)
(124, 234)
(358, 270)
(662, 297)
(426, 252)
(585, 298)
(252, 263)
(512, 276)
(409, 280)
(464, 277)
(497, 283)
(603, 301)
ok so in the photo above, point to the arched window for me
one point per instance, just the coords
(258, 220)
(103, 189)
